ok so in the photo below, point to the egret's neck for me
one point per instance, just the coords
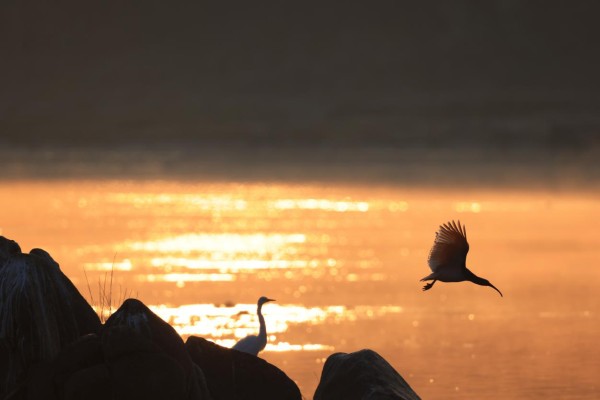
(261, 320)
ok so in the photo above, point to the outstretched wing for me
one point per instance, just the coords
(450, 247)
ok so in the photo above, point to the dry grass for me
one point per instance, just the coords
(104, 304)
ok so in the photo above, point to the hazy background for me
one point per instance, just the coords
(428, 92)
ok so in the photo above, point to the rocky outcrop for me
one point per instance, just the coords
(137, 356)
(234, 375)
(7, 248)
(86, 319)
(41, 312)
(362, 375)
(53, 347)
(77, 372)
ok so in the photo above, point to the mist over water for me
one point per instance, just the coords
(439, 168)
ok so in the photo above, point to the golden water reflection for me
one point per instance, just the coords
(344, 263)
(321, 204)
(226, 324)
(219, 243)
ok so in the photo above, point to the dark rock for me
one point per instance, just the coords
(139, 369)
(135, 369)
(134, 334)
(234, 375)
(8, 384)
(41, 312)
(122, 364)
(46, 354)
(92, 383)
(8, 248)
(136, 315)
(362, 375)
(80, 371)
(86, 318)
(51, 380)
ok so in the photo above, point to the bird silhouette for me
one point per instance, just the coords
(252, 344)
(448, 256)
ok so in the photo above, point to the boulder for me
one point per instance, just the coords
(137, 356)
(136, 341)
(362, 375)
(86, 319)
(41, 312)
(8, 248)
(140, 369)
(53, 347)
(234, 375)
(61, 378)
(120, 365)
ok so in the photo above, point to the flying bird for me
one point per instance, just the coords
(448, 256)
(252, 344)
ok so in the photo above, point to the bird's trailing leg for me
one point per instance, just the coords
(429, 285)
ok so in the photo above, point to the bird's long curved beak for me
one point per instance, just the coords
(494, 287)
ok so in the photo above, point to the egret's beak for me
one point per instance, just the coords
(496, 289)
(276, 300)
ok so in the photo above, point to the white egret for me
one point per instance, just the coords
(252, 344)
(448, 256)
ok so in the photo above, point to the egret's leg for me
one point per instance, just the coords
(429, 285)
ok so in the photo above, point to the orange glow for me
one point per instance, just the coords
(181, 279)
(124, 265)
(228, 265)
(227, 324)
(218, 243)
(321, 204)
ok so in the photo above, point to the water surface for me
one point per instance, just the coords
(344, 264)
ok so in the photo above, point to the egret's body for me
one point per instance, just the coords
(448, 256)
(254, 344)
